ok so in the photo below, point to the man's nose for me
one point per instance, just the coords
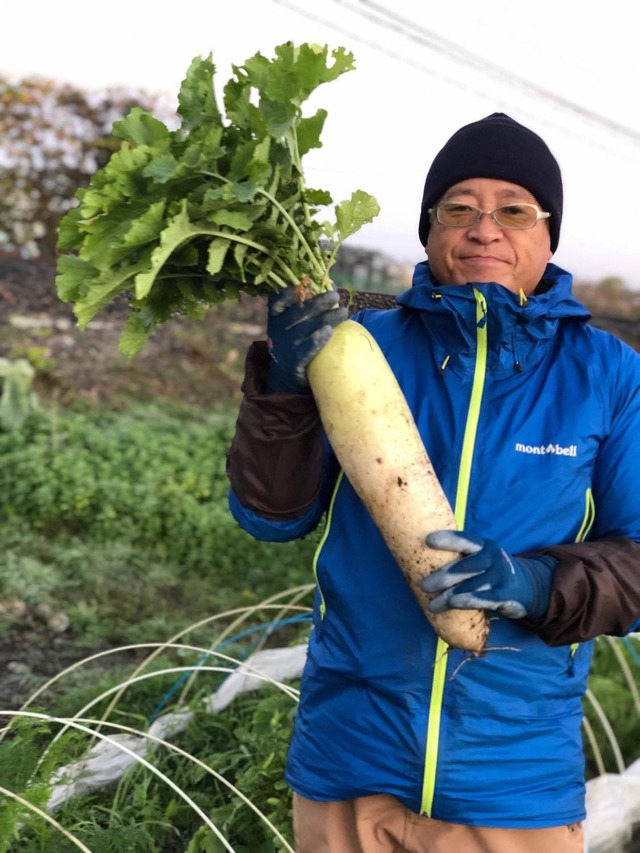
(486, 228)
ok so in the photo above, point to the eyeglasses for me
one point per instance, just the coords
(454, 214)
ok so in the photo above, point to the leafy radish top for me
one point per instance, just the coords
(179, 220)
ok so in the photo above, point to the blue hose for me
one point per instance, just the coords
(632, 650)
(267, 629)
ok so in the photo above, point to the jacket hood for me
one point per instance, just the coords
(553, 298)
(518, 325)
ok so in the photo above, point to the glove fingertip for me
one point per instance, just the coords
(314, 343)
(437, 606)
(446, 540)
(338, 315)
(454, 540)
(433, 539)
(431, 583)
(280, 300)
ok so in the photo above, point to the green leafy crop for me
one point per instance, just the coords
(179, 220)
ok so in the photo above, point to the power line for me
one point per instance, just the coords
(413, 31)
(384, 50)
(429, 70)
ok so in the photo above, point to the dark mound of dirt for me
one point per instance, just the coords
(194, 362)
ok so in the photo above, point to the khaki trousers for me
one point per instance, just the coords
(381, 824)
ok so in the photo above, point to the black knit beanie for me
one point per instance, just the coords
(496, 147)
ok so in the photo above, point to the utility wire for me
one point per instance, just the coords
(410, 30)
(533, 35)
(429, 70)
(413, 31)
(400, 57)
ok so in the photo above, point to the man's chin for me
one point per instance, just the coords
(482, 272)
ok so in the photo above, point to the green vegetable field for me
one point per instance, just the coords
(119, 521)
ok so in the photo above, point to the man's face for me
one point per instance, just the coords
(485, 252)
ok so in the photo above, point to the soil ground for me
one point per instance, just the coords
(195, 362)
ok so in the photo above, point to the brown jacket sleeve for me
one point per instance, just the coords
(596, 590)
(275, 461)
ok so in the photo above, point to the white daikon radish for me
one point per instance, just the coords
(374, 436)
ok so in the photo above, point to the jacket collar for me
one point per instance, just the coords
(517, 325)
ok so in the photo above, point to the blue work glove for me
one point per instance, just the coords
(487, 578)
(296, 333)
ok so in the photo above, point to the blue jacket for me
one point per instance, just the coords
(531, 418)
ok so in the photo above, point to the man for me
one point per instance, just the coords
(531, 418)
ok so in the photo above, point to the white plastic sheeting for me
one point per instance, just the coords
(613, 810)
(278, 664)
(108, 759)
(613, 799)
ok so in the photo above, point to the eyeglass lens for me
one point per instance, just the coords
(509, 216)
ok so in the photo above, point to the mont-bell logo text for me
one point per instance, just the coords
(547, 449)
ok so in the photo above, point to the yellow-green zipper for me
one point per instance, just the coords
(327, 527)
(585, 527)
(589, 516)
(462, 494)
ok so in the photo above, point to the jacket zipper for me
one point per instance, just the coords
(589, 516)
(460, 512)
(327, 527)
(585, 527)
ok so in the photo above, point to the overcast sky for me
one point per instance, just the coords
(423, 70)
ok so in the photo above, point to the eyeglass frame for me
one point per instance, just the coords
(540, 214)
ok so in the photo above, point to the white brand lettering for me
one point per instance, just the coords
(547, 449)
